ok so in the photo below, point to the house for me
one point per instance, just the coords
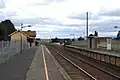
(25, 36)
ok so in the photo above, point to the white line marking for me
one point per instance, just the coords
(45, 65)
(78, 67)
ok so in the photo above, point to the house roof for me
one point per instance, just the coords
(28, 33)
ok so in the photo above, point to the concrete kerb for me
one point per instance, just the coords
(32, 67)
(60, 68)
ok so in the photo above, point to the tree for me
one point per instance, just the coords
(55, 40)
(118, 35)
(38, 39)
(73, 39)
(6, 28)
(80, 38)
(96, 33)
(91, 35)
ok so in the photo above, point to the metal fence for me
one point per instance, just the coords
(10, 48)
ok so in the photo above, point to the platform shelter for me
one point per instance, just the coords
(99, 42)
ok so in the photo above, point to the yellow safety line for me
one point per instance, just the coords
(45, 65)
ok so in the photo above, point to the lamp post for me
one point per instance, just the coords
(21, 34)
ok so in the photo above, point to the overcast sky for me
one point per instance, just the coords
(61, 18)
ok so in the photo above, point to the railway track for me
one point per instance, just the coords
(87, 66)
(73, 70)
(108, 68)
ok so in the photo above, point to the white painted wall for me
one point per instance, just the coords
(109, 44)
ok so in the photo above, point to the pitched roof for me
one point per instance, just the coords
(27, 33)
(30, 33)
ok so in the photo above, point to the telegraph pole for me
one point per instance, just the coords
(86, 24)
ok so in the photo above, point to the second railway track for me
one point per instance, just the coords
(73, 70)
(93, 71)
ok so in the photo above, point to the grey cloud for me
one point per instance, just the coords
(106, 26)
(46, 2)
(82, 16)
(2, 4)
(40, 20)
(7, 15)
(68, 31)
(78, 25)
(24, 21)
(45, 21)
(33, 21)
(2, 17)
(10, 14)
(115, 12)
(72, 25)
(50, 21)
(15, 22)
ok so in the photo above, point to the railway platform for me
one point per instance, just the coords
(45, 67)
(17, 66)
(33, 64)
(97, 51)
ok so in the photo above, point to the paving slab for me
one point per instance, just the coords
(17, 67)
(53, 70)
(43, 67)
(37, 71)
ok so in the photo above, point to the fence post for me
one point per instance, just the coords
(9, 47)
(2, 48)
(15, 46)
(20, 46)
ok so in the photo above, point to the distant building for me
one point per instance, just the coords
(23, 35)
